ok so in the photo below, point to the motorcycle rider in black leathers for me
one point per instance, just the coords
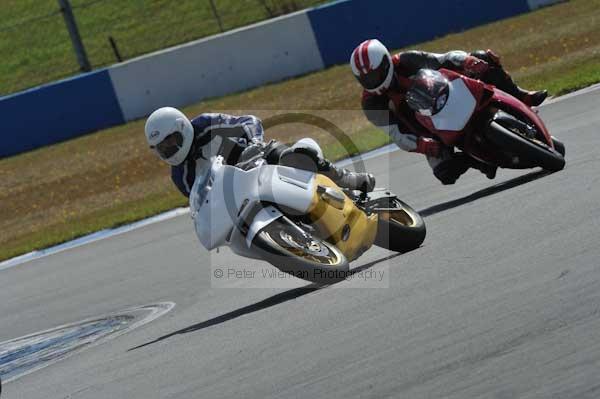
(385, 80)
(188, 145)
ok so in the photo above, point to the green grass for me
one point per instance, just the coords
(114, 215)
(570, 78)
(36, 48)
(108, 178)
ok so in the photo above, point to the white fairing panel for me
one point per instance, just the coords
(286, 186)
(458, 109)
(262, 219)
(217, 197)
(212, 222)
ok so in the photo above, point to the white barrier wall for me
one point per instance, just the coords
(534, 4)
(215, 66)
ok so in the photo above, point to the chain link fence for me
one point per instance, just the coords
(37, 48)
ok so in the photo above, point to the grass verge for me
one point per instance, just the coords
(109, 178)
(36, 48)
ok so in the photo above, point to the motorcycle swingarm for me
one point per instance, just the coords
(375, 196)
(374, 200)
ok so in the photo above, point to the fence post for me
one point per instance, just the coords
(67, 12)
(113, 44)
(216, 14)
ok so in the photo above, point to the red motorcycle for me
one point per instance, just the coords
(484, 122)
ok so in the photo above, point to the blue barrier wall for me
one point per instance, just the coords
(58, 111)
(340, 26)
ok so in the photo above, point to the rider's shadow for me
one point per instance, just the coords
(307, 289)
(264, 304)
(486, 192)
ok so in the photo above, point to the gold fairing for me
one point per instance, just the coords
(330, 222)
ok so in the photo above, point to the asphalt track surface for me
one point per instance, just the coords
(502, 300)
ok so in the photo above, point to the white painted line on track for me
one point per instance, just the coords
(573, 94)
(368, 155)
(28, 343)
(99, 235)
(102, 234)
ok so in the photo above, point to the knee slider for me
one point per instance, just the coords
(305, 158)
(445, 178)
(449, 171)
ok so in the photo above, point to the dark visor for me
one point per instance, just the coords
(170, 145)
(376, 77)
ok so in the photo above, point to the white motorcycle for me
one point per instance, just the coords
(299, 221)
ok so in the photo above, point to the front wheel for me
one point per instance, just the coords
(294, 251)
(529, 149)
(559, 146)
(400, 228)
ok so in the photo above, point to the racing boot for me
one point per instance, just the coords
(345, 178)
(497, 76)
(532, 98)
(504, 82)
(488, 170)
(449, 170)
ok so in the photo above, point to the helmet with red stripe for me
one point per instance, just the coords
(372, 66)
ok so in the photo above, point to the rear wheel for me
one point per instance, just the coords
(400, 228)
(294, 251)
(528, 149)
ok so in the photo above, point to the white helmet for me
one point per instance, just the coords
(170, 134)
(371, 64)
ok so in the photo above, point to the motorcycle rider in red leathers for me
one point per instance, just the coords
(385, 79)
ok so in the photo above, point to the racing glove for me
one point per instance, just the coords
(475, 67)
(429, 147)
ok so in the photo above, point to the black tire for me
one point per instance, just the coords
(279, 243)
(535, 152)
(559, 146)
(400, 229)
